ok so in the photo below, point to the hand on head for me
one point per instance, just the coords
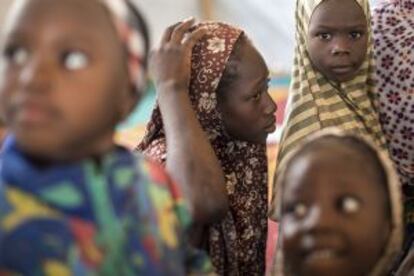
(170, 63)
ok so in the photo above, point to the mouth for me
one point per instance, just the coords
(30, 113)
(342, 69)
(271, 125)
(322, 254)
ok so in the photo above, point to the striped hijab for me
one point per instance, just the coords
(315, 103)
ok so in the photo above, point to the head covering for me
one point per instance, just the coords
(393, 245)
(393, 25)
(237, 244)
(133, 34)
(315, 102)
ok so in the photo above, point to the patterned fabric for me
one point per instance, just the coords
(393, 246)
(237, 244)
(122, 216)
(131, 34)
(394, 44)
(315, 102)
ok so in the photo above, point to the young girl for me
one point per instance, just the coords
(332, 75)
(338, 217)
(213, 116)
(73, 203)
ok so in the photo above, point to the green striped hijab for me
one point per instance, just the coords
(316, 103)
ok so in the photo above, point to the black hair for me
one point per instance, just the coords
(139, 23)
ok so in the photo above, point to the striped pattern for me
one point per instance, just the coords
(315, 103)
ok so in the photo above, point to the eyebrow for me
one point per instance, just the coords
(349, 27)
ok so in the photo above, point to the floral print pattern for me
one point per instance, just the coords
(237, 244)
(393, 25)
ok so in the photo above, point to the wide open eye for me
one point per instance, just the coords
(355, 35)
(300, 210)
(75, 60)
(16, 55)
(350, 205)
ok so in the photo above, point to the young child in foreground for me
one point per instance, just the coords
(341, 208)
(71, 201)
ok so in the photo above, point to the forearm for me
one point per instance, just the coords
(191, 160)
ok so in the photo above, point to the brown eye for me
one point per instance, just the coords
(75, 60)
(256, 97)
(350, 205)
(324, 36)
(355, 35)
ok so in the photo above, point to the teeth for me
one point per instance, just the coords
(322, 254)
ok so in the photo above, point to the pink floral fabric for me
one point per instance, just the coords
(237, 244)
(394, 50)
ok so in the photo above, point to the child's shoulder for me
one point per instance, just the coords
(155, 174)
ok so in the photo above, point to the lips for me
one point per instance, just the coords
(271, 125)
(342, 69)
(322, 254)
(30, 113)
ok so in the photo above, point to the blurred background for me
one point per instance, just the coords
(269, 24)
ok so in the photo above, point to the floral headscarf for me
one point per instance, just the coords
(133, 34)
(237, 244)
(393, 245)
(393, 25)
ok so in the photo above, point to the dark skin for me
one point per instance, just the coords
(334, 213)
(246, 101)
(337, 39)
(64, 85)
(191, 160)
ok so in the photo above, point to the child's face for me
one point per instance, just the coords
(334, 215)
(247, 108)
(337, 39)
(64, 84)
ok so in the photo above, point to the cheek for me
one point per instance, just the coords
(361, 50)
(7, 88)
(290, 233)
(317, 54)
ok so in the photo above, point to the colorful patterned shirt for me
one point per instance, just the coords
(120, 216)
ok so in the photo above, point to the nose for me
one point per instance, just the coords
(270, 106)
(320, 218)
(340, 46)
(36, 74)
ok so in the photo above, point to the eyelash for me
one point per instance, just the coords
(323, 36)
(354, 35)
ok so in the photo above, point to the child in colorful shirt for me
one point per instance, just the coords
(72, 202)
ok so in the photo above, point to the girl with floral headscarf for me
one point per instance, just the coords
(71, 201)
(212, 119)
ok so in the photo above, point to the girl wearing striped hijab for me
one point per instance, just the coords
(332, 81)
(71, 201)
